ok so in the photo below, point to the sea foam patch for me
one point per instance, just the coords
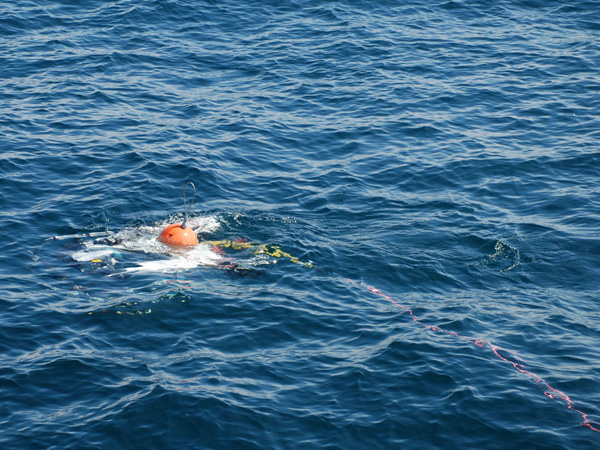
(137, 250)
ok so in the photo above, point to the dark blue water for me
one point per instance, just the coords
(415, 188)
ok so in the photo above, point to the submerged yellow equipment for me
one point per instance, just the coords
(271, 250)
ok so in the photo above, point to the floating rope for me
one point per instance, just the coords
(550, 392)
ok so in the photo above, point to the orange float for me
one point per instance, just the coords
(176, 236)
(180, 235)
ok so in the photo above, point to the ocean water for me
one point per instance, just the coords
(398, 205)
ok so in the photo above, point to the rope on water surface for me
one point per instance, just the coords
(550, 392)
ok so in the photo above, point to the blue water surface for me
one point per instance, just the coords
(412, 187)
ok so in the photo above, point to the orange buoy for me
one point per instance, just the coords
(176, 236)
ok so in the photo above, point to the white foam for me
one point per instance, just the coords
(204, 224)
(89, 255)
(201, 255)
(142, 240)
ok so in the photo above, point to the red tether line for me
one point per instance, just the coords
(550, 392)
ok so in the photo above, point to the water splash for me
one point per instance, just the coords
(136, 249)
(503, 253)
